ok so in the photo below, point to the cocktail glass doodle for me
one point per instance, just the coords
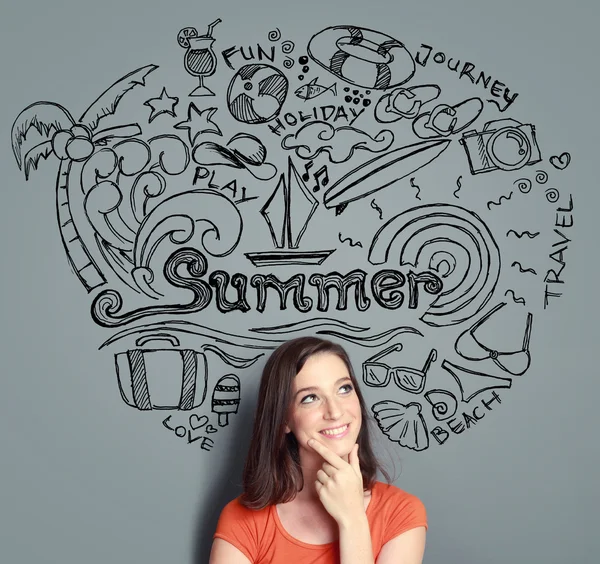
(200, 59)
(378, 374)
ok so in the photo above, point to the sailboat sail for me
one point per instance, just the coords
(288, 212)
(303, 205)
(274, 212)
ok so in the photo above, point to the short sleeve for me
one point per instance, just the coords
(237, 526)
(406, 512)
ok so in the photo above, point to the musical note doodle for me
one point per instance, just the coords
(321, 172)
(306, 174)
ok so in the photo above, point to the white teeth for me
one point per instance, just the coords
(334, 432)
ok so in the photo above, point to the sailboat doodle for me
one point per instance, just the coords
(287, 225)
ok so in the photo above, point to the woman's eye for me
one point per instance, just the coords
(349, 388)
(306, 398)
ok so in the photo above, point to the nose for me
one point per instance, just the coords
(333, 409)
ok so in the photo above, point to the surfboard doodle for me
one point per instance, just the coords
(309, 187)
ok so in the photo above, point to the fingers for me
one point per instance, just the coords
(328, 469)
(353, 458)
(328, 455)
(322, 477)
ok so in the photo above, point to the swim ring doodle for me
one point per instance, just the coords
(362, 57)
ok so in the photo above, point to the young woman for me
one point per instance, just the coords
(310, 490)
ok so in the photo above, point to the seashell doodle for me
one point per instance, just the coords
(402, 424)
(444, 404)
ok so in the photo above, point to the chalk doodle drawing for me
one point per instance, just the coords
(193, 217)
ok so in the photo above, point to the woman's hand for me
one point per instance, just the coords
(339, 484)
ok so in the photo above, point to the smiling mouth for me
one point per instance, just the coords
(337, 432)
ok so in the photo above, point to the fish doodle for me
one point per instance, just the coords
(312, 90)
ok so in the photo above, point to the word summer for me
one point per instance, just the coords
(385, 286)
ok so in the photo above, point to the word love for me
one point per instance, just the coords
(497, 89)
(182, 432)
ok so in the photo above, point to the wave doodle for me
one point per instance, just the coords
(190, 328)
(443, 234)
(377, 208)
(376, 340)
(459, 184)
(499, 202)
(520, 235)
(351, 242)
(308, 324)
(412, 183)
(514, 297)
(521, 269)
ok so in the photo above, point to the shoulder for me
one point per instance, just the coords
(391, 491)
(388, 497)
(395, 511)
(242, 527)
(234, 511)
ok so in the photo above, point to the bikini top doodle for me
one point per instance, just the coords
(378, 374)
(514, 362)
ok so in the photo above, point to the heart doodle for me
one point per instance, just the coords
(210, 429)
(560, 161)
(197, 422)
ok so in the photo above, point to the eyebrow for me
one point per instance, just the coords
(314, 388)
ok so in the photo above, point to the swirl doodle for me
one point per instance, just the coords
(523, 184)
(107, 305)
(274, 35)
(288, 62)
(541, 176)
(552, 195)
(287, 47)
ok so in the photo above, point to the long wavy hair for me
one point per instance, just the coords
(272, 472)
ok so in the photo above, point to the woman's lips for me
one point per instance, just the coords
(337, 435)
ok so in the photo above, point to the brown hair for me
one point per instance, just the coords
(272, 472)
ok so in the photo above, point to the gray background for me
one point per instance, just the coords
(85, 479)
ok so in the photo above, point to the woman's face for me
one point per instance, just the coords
(324, 406)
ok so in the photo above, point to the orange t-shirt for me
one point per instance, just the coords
(262, 538)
